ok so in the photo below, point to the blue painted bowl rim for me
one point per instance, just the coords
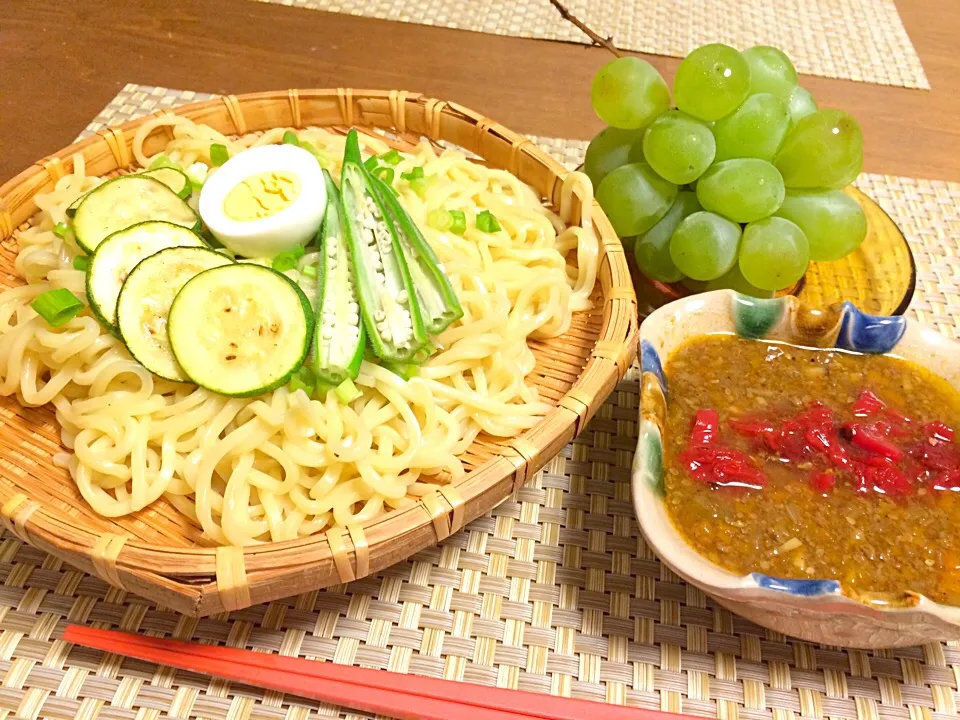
(755, 584)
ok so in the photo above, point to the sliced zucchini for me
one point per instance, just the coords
(120, 253)
(438, 300)
(173, 178)
(339, 338)
(389, 304)
(241, 329)
(72, 207)
(145, 300)
(126, 201)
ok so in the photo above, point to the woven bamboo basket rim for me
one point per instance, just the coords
(206, 580)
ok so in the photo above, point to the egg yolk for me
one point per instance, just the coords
(262, 195)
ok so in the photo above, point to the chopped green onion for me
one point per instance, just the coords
(419, 186)
(57, 306)
(290, 138)
(298, 251)
(321, 156)
(303, 379)
(81, 262)
(487, 223)
(385, 174)
(414, 174)
(440, 219)
(61, 230)
(347, 392)
(195, 186)
(458, 226)
(310, 271)
(218, 154)
(162, 161)
(370, 163)
(402, 370)
(391, 157)
(284, 261)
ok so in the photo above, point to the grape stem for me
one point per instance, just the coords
(592, 34)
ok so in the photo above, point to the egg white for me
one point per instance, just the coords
(266, 237)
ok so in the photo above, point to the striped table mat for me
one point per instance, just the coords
(554, 591)
(861, 40)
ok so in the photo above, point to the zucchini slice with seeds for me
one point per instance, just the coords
(126, 201)
(240, 329)
(120, 253)
(173, 178)
(145, 300)
(339, 338)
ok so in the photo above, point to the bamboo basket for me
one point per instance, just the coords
(156, 552)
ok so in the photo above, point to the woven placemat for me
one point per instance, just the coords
(554, 591)
(860, 40)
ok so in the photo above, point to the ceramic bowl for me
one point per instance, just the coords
(815, 610)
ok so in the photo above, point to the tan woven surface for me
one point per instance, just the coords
(860, 40)
(554, 591)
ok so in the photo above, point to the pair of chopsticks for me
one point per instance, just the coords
(406, 697)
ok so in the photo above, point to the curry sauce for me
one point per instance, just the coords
(815, 464)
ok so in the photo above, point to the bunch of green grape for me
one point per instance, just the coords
(739, 185)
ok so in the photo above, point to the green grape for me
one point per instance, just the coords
(634, 197)
(704, 245)
(678, 147)
(753, 130)
(774, 253)
(801, 104)
(732, 280)
(743, 189)
(711, 82)
(833, 221)
(628, 93)
(609, 150)
(823, 150)
(770, 71)
(652, 249)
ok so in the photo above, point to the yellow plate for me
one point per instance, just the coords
(878, 277)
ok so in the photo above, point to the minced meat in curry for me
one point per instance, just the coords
(815, 463)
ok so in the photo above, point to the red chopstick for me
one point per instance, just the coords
(376, 691)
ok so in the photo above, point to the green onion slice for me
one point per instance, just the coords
(384, 173)
(439, 219)
(286, 261)
(162, 161)
(415, 174)
(57, 306)
(290, 138)
(391, 157)
(458, 225)
(303, 379)
(487, 223)
(61, 230)
(81, 263)
(347, 392)
(370, 163)
(218, 154)
(310, 271)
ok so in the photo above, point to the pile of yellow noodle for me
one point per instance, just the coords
(283, 465)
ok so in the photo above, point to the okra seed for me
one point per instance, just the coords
(379, 316)
(402, 297)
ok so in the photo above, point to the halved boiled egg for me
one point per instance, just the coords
(265, 201)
